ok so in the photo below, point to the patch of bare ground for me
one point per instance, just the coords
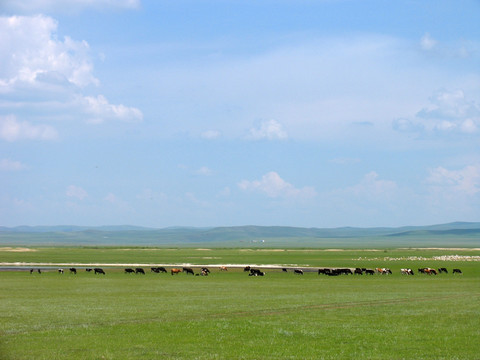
(17, 249)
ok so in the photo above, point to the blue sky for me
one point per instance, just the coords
(217, 113)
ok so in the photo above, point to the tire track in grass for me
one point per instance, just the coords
(329, 306)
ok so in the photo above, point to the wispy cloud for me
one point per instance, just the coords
(77, 192)
(10, 165)
(33, 6)
(373, 187)
(273, 186)
(205, 171)
(13, 130)
(464, 181)
(211, 134)
(269, 130)
(100, 110)
(427, 42)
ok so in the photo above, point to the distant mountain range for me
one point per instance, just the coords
(456, 234)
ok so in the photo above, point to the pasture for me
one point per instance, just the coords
(230, 315)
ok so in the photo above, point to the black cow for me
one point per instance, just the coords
(457, 271)
(358, 271)
(60, 271)
(369, 271)
(88, 270)
(73, 271)
(188, 271)
(129, 271)
(158, 269)
(284, 270)
(298, 272)
(39, 271)
(246, 268)
(256, 272)
(98, 271)
(345, 271)
(139, 271)
(442, 270)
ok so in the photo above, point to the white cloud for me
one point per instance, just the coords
(447, 112)
(9, 165)
(76, 192)
(31, 54)
(100, 110)
(33, 6)
(465, 181)
(13, 130)
(46, 75)
(270, 130)
(272, 185)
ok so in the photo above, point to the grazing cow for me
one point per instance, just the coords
(345, 271)
(358, 271)
(129, 271)
(175, 271)
(60, 271)
(256, 272)
(442, 270)
(298, 272)
(246, 268)
(328, 271)
(369, 271)
(158, 269)
(73, 271)
(406, 271)
(223, 268)
(457, 271)
(332, 272)
(188, 270)
(139, 271)
(154, 269)
(205, 270)
(39, 271)
(383, 271)
(88, 270)
(98, 271)
(429, 271)
(31, 271)
(284, 270)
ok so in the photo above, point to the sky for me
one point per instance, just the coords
(203, 113)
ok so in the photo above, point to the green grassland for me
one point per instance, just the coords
(229, 315)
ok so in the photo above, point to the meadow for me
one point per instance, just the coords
(229, 315)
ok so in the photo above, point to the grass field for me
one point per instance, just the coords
(229, 315)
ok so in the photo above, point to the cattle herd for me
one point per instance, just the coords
(203, 271)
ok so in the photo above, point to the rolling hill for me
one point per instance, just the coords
(465, 234)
